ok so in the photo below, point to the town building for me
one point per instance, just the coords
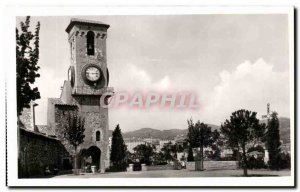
(131, 143)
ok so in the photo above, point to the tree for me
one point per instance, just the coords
(190, 156)
(241, 130)
(27, 56)
(216, 145)
(145, 153)
(204, 138)
(169, 151)
(190, 139)
(159, 158)
(273, 141)
(257, 148)
(192, 133)
(74, 131)
(199, 136)
(130, 157)
(118, 150)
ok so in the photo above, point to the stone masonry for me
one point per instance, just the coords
(84, 96)
(38, 148)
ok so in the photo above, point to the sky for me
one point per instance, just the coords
(230, 61)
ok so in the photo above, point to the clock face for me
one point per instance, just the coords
(92, 73)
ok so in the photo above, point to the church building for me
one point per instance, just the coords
(88, 79)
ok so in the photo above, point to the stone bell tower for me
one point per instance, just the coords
(88, 72)
(88, 79)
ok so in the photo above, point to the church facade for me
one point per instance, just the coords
(88, 80)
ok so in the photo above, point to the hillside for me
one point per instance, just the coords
(169, 134)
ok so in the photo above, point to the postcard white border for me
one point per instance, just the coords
(9, 32)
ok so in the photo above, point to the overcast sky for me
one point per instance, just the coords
(230, 61)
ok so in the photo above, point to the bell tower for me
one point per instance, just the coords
(88, 72)
(88, 79)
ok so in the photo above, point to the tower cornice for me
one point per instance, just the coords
(75, 21)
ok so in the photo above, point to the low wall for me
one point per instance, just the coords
(190, 165)
(214, 165)
(160, 167)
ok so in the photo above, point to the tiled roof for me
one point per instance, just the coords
(37, 134)
(45, 129)
(58, 101)
(21, 124)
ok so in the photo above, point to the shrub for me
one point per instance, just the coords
(117, 168)
(256, 163)
(284, 161)
(162, 163)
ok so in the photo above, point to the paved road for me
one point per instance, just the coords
(180, 173)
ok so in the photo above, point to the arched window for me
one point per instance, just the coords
(98, 136)
(90, 43)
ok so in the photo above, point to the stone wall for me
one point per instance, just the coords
(61, 112)
(37, 151)
(160, 167)
(214, 165)
(96, 120)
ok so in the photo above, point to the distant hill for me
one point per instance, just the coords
(169, 134)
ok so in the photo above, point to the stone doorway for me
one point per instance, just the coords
(90, 157)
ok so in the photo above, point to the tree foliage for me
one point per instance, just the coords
(190, 156)
(74, 131)
(199, 136)
(159, 158)
(273, 141)
(256, 148)
(242, 129)
(145, 153)
(118, 150)
(27, 56)
(169, 151)
(216, 145)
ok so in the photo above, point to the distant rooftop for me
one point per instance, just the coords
(75, 21)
